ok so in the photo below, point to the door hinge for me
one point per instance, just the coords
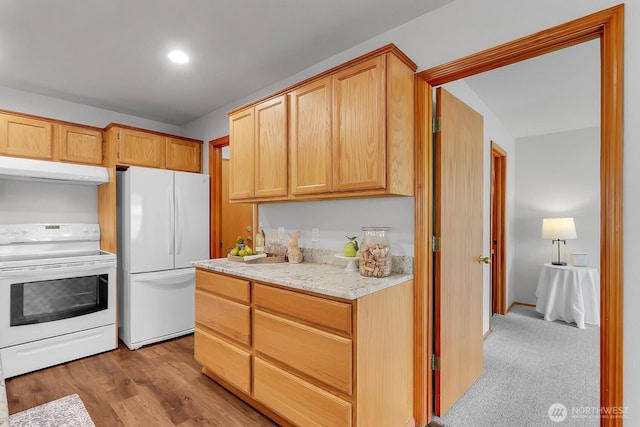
(435, 363)
(435, 243)
(436, 124)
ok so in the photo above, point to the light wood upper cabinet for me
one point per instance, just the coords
(258, 151)
(80, 145)
(241, 155)
(183, 155)
(26, 137)
(271, 148)
(310, 138)
(140, 148)
(351, 133)
(359, 123)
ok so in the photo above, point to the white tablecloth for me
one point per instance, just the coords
(569, 293)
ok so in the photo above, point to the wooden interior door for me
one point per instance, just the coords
(498, 229)
(234, 217)
(458, 273)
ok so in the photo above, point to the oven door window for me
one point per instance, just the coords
(49, 300)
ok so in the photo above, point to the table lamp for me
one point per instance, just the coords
(558, 230)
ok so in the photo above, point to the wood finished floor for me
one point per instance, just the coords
(157, 385)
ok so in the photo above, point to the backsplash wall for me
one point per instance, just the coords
(23, 202)
(339, 218)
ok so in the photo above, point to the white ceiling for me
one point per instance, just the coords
(556, 92)
(112, 55)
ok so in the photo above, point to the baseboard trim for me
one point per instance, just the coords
(519, 303)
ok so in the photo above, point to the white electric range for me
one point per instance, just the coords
(57, 295)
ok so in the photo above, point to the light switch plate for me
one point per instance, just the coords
(315, 234)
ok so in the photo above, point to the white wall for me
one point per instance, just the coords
(24, 202)
(339, 218)
(557, 175)
(467, 26)
(45, 106)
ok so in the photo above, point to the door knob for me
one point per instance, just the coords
(484, 259)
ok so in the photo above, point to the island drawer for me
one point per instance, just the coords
(229, 318)
(230, 287)
(296, 399)
(321, 355)
(229, 362)
(323, 312)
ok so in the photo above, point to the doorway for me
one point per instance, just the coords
(607, 26)
(228, 220)
(498, 230)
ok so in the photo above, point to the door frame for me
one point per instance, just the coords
(215, 197)
(498, 229)
(607, 26)
(215, 193)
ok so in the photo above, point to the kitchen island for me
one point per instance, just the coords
(324, 279)
(308, 344)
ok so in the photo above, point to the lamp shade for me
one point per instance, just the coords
(559, 228)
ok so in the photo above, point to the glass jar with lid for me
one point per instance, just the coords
(375, 252)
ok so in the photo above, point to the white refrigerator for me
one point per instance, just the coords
(163, 225)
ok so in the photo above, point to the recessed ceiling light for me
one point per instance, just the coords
(178, 56)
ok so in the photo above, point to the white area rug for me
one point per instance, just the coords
(67, 411)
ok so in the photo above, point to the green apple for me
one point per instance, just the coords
(351, 247)
(234, 251)
(242, 252)
(248, 250)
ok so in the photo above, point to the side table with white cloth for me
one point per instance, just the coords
(569, 293)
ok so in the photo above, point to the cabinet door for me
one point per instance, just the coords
(26, 137)
(359, 127)
(80, 145)
(183, 155)
(241, 155)
(141, 149)
(271, 148)
(310, 138)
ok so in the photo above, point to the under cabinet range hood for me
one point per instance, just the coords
(43, 170)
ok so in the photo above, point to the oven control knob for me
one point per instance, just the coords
(15, 232)
(85, 230)
(25, 231)
(4, 231)
(94, 230)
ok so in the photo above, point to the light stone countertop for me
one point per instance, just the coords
(322, 279)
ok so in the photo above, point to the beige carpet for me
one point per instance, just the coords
(67, 411)
(531, 368)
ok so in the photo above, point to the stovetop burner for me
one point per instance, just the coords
(23, 245)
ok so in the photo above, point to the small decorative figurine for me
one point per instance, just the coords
(293, 251)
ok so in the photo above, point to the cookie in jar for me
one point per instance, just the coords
(375, 252)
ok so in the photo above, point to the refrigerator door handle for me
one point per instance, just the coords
(162, 279)
(172, 220)
(178, 220)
